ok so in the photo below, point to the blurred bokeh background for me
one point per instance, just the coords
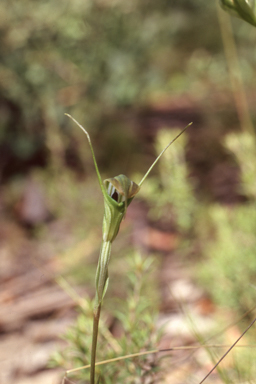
(133, 73)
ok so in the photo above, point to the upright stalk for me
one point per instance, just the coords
(101, 286)
(96, 319)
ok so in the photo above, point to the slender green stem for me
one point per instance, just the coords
(101, 287)
(96, 319)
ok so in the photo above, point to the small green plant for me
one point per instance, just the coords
(230, 266)
(243, 146)
(118, 193)
(228, 273)
(172, 197)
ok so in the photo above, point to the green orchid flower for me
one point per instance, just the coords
(118, 193)
(244, 9)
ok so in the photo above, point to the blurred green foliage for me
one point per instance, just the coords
(171, 194)
(229, 270)
(108, 52)
(89, 58)
(94, 59)
(224, 234)
(243, 146)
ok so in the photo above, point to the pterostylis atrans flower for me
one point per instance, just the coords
(118, 193)
(244, 9)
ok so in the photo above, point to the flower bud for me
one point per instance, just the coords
(244, 9)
